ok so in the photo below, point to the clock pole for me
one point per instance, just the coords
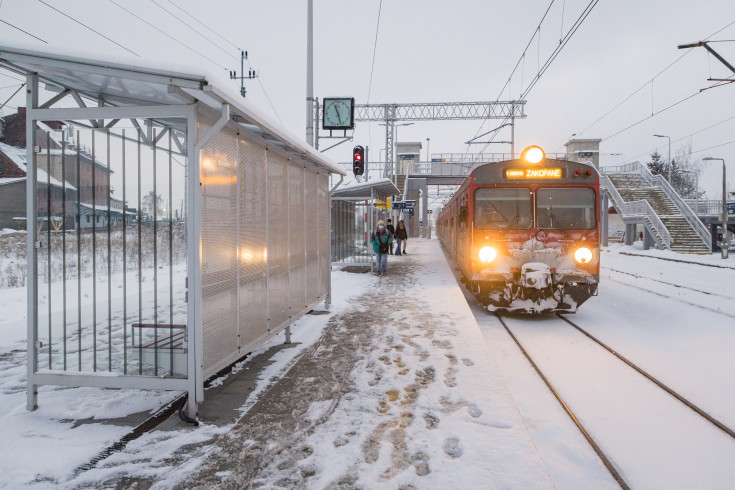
(310, 73)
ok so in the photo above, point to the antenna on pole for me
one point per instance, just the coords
(242, 77)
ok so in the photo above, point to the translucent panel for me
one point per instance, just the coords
(296, 238)
(252, 242)
(218, 162)
(278, 287)
(312, 237)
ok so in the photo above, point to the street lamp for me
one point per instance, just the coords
(723, 249)
(428, 153)
(667, 137)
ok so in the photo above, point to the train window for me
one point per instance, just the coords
(566, 208)
(503, 209)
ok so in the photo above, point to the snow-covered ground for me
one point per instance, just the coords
(406, 384)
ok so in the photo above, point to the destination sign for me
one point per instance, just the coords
(533, 173)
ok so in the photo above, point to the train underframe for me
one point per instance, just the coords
(534, 291)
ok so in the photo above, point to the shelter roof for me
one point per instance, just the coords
(378, 189)
(122, 85)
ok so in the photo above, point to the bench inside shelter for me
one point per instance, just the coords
(168, 343)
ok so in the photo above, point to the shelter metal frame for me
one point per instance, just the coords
(177, 104)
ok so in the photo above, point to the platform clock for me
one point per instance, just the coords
(338, 113)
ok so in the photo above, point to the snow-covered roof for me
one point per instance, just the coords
(11, 180)
(134, 85)
(378, 188)
(18, 157)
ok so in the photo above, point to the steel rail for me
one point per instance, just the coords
(668, 283)
(662, 295)
(605, 460)
(655, 381)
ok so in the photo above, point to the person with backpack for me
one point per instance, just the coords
(401, 237)
(392, 230)
(381, 239)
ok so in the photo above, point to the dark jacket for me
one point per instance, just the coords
(391, 228)
(401, 233)
(376, 237)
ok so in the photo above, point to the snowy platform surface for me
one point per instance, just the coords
(402, 384)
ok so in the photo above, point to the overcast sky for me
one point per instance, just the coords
(437, 51)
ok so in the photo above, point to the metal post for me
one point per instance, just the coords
(316, 123)
(512, 132)
(32, 251)
(724, 211)
(193, 238)
(310, 72)
(604, 220)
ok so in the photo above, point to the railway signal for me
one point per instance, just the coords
(358, 160)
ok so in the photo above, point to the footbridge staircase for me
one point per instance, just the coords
(642, 198)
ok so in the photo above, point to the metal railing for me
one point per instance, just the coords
(638, 208)
(486, 157)
(659, 181)
(707, 207)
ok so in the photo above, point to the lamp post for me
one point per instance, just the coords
(428, 153)
(723, 248)
(667, 137)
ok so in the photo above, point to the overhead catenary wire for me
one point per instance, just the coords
(635, 158)
(195, 30)
(521, 59)
(260, 83)
(205, 26)
(565, 40)
(650, 81)
(372, 67)
(23, 31)
(167, 35)
(86, 26)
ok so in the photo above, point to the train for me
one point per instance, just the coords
(524, 233)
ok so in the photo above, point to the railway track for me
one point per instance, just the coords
(704, 295)
(679, 286)
(606, 459)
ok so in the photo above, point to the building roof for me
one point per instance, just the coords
(123, 85)
(18, 157)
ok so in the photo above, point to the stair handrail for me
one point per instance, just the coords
(637, 208)
(659, 181)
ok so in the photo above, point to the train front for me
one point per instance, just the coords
(535, 242)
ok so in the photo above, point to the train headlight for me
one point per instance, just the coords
(487, 254)
(533, 154)
(583, 255)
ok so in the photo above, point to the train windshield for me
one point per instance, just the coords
(503, 209)
(565, 209)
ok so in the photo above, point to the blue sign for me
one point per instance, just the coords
(398, 205)
(730, 208)
(410, 203)
(410, 211)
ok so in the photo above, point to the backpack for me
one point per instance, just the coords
(383, 247)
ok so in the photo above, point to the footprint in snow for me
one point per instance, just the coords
(467, 362)
(452, 448)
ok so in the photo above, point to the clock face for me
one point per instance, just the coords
(338, 114)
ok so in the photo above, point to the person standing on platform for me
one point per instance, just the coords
(381, 239)
(401, 237)
(392, 231)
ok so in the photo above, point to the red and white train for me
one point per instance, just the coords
(525, 233)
